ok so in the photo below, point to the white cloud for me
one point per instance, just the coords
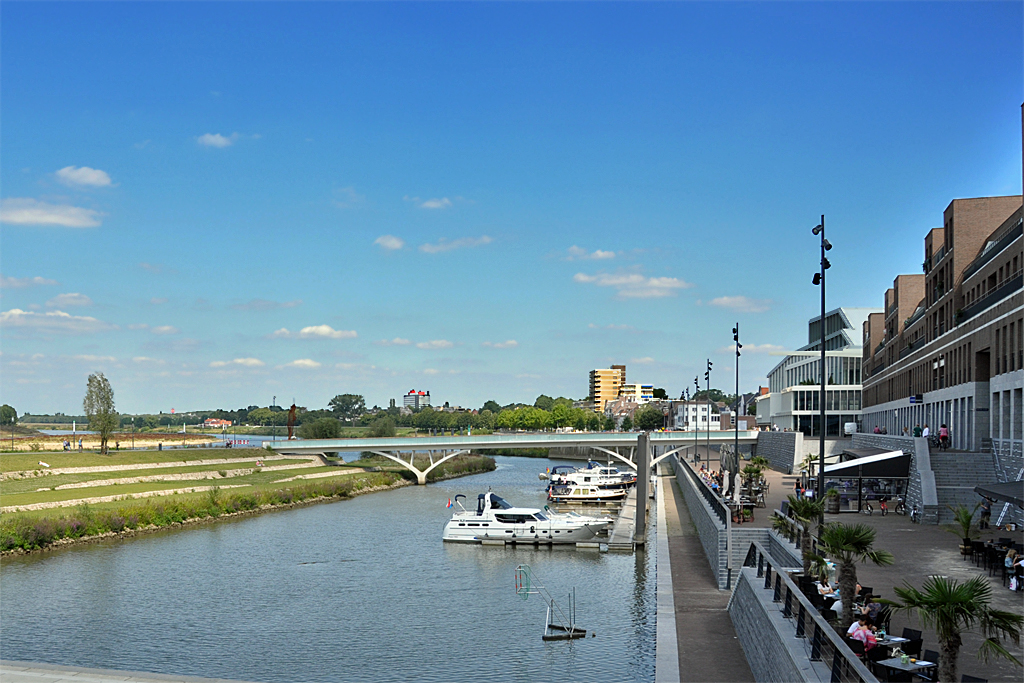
(165, 329)
(447, 245)
(390, 242)
(742, 304)
(69, 299)
(646, 360)
(580, 254)
(147, 359)
(431, 371)
(753, 348)
(217, 140)
(83, 176)
(397, 341)
(95, 359)
(27, 211)
(266, 305)
(22, 282)
(347, 197)
(57, 322)
(510, 344)
(442, 203)
(244, 362)
(634, 285)
(138, 326)
(315, 332)
(610, 326)
(435, 344)
(304, 363)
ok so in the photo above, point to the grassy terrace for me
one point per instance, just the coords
(139, 490)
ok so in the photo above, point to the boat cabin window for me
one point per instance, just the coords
(498, 503)
(513, 519)
(540, 516)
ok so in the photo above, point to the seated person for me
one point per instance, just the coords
(825, 588)
(870, 608)
(862, 631)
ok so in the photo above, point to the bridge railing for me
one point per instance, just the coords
(821, 642)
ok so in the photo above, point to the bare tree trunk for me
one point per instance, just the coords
(847, 588)
(949, 652)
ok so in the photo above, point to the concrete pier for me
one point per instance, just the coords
(620, 538)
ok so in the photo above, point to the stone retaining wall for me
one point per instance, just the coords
(712, 533)
(767, 644)
(784, 450)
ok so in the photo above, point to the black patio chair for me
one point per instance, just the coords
(1005, 542)
(910, 634)
(912, 647)
(972, 679)
(932, 672)
(883, 617)
(856, 645)
(864, 590)
(887, 675)
(977, 551)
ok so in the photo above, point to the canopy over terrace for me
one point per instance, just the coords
(876, 475)
(1007, 492)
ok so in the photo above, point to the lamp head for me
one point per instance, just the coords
(825, 263)
(817, 229)
(828, 245)
(817, 279)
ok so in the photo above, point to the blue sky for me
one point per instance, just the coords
(215, 204)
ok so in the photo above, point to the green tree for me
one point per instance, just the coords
(561, 415)
(322, 428)
(627, 424)
(848, 544)
(609, 423)
(347, 406)
(648, 418)
(543, 402)
(660, 393)
(492, 406)
(805, 512)
(8, 415)
(99, 407)
(381, 427)
(260, 416)
(952, 609)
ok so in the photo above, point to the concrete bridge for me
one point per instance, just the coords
(444, 448)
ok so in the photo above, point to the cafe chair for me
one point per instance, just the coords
(932, 672)
(1006, 542)
(911, 634)
(887, 675)
(864, 590)
(883, 617)
(912, 647)
(856, 646)
(977, 551)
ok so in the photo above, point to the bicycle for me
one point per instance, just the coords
(915, 515)
(901, 507)
(883, 507)
(868, 510)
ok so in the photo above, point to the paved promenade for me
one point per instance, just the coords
(708, 647)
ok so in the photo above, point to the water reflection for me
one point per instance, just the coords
(361, 590)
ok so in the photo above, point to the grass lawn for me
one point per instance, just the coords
(27, 462)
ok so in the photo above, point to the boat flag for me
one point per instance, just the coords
(449, 502)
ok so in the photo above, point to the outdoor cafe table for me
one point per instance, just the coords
(891, 641)
(916, 668)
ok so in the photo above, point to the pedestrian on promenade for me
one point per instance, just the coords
(906, 431)
(926, 432)
(986, 513)
(944, 436)
(917, 431)
(79, 444)
(878, 430)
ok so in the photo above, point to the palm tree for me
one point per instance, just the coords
(848, 544)
(953, 608)
(805, 512)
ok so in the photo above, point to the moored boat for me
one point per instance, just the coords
(584, 493)
(496, 520)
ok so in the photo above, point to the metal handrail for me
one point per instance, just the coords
(821, 640)
(1001, 243)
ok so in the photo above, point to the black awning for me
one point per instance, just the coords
(854, 453)
(1008, 492)
(887, 464)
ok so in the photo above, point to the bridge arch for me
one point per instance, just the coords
(421, 477)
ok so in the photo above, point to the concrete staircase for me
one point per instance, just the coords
(956, 475)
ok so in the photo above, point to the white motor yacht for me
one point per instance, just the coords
(496, 520)
(584, 493)
(595, 475)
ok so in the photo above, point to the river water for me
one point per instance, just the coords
(358, 590)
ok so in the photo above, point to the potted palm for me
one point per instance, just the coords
(952, 609)
(848, 544)
(963, 524)
(832, 502)
(803, 513)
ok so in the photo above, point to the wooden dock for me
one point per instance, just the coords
(621, 537)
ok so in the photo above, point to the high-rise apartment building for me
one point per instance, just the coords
(605, 385)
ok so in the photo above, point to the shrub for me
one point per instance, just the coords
(381, 427)
(323, 428)
(222, 473)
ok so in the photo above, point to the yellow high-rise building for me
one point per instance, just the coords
(605, 385)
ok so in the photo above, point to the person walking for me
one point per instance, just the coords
(944, 437)
(986, 513)
(926, 432)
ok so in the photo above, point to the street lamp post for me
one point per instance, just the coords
(707, 449)
(696, 390)
(735, 460)
(819, 280)
(133, 432)
(273, 420)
